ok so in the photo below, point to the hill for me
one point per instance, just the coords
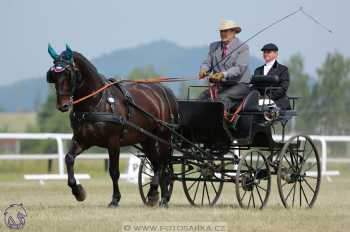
(167, 58)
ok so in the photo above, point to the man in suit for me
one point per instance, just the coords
(230, 76)
(272, 67)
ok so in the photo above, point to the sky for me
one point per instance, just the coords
(98, 27)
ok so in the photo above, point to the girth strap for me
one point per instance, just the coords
(126, 94)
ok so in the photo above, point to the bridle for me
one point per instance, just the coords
(60, 66)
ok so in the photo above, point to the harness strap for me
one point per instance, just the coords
(165, 93)
(94, 93)
(128, 98)
(235, 114)
(96, 117)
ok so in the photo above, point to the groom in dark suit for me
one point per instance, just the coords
(272, 67)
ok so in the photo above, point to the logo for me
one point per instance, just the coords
(15, 216)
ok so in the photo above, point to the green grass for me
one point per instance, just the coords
(16, 122)
(51, 207)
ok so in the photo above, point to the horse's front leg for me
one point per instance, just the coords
(114, 173)
(77, 189)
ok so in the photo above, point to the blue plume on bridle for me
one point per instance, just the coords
(68, 55)
(52, 52)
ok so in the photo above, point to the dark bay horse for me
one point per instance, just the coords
(75, 77)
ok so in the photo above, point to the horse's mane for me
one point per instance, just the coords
(84, 64)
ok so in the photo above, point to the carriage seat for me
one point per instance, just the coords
(262, 81)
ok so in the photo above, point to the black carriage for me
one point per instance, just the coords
(244, 152)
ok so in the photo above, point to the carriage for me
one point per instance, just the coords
(209, 151)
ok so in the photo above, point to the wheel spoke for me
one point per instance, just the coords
(203, 192)
(243, 194)
(262, 188)
(189, 188)
(304, 194)
(305, 159)
(148, 168)
(291, 157)
(300, 193)
(290, 165)
(146, 184)
(206, 189)
(307, 183)
(216, 192)
(250, 197)
(195, 194)
(284, 184)
(290, 191)
(259, 195)
(310, 167)
(196, 171)
(248, 167)
(253, 198)
(293, 196)
(147, 174)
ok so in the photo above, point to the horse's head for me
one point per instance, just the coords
(65, 75)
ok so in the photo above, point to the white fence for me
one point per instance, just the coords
(133, 162)
(130, 175)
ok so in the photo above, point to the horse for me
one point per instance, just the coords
(74, 78)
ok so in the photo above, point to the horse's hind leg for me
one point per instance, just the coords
(77, 189)
(114, 173)
(149, 148)
(165, 152)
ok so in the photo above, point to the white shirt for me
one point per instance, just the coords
(268, 66)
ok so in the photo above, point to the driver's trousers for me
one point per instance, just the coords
(230, 96)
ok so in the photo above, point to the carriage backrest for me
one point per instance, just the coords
(265, 80)
(264, 83)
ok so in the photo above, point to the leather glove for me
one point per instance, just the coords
(202, 74)
(217, 76)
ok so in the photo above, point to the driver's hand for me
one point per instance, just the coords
(217, 76)
(202, 74)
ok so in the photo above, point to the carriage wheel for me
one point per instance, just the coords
(202, 181)
(253, 180)
(299, 172)
(145, 177)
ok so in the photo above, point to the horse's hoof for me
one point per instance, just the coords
(163, 204)
(114, 204)
(79, 192)
(152, 200)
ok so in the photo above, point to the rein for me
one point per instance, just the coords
(94, 93)
(145, 81)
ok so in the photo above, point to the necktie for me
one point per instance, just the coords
(224, 51)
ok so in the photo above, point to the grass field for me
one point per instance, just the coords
(51, 207)
(16, 122)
